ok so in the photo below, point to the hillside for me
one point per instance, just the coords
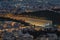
(50, 15)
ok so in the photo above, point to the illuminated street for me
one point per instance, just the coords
(33, 21)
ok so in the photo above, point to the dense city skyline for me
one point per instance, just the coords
(29, 4)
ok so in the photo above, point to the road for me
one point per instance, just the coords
(33, 21)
